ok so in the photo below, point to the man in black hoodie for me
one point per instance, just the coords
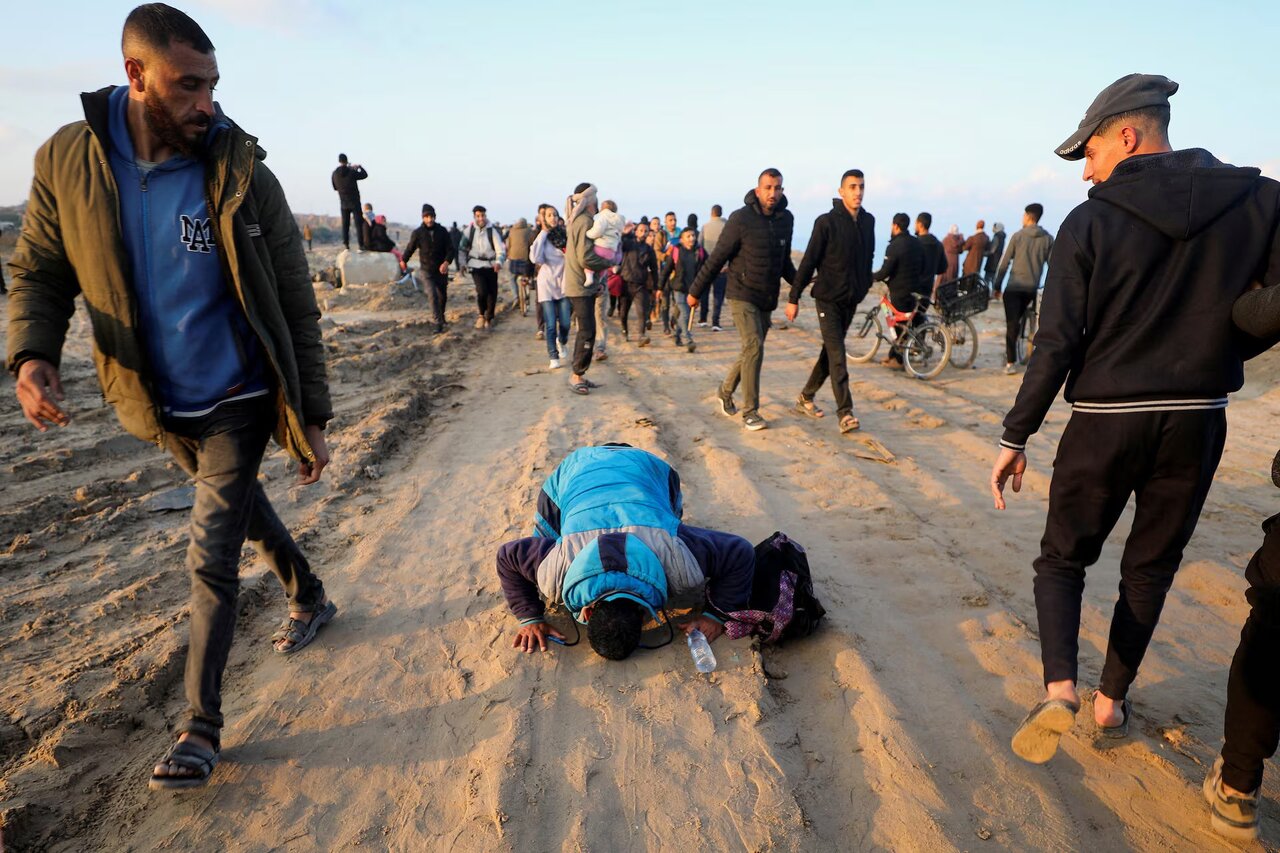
(344, 182)
(1136, 320)
(639, 272)
(840, 249)
(756, 244)
(436, 252)
(903, 269)
(935, 259)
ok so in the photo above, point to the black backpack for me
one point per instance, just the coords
(775, 556)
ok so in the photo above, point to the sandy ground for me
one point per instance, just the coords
(412, 724)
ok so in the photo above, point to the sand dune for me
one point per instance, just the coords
(413, 725)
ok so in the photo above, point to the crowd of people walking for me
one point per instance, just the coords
(1159, 287)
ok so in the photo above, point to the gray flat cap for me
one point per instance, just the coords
(1132, 92)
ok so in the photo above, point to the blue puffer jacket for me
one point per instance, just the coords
(634, 497)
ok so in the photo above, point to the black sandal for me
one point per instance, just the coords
(187, 756)
(299, 633)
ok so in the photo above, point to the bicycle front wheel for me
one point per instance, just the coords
(926, 350)
(1026, 338)
(863, 341)
(964, 343)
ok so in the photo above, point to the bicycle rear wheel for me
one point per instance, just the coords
(926, 350)
(964, 343)
(863, 341)
(1026, 338)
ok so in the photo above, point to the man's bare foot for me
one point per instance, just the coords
(1107, 713)
(178, 771)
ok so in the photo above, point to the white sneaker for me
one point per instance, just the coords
(702, 325)
(716, 329)
(555, 364)
(1009, 369)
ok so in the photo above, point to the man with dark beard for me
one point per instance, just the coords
(204, 351)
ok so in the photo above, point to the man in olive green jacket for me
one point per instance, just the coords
(157, 210)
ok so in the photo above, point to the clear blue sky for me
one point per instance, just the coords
(953, 108)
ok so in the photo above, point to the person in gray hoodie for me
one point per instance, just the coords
(1028, 254)
(580, 285)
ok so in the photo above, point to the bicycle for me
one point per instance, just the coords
(1027, 330)
(957, 301)
(925, 347)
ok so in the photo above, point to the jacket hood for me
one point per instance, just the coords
(1035, 231)
(615, 565)
(1178, 193)
(752, 202)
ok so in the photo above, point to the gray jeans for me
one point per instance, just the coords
(222, 452)
(753, 324)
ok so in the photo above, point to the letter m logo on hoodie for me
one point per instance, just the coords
(197, 234)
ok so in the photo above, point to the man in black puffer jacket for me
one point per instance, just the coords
(756, 244)
(840, 249)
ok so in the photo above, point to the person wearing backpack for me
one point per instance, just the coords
(611, 546)
(485, 251)
(679, 272)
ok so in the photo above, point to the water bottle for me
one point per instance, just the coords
(703, 658)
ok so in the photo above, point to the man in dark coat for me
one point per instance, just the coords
(840, 250)
(756, 244)
(436, 252)
(344, 182)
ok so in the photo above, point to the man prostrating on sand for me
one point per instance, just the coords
(205, 328)
(611, 547)
(1137, 322)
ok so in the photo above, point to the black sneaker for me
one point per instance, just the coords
(1231, 816)
(726, 403)
(754, 422)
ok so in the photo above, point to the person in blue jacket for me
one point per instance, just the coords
(610, 546)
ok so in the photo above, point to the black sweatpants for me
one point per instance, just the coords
(486, 281)
(1016, 303)
(1253, 688)
(584, 343)
(1166, 459)
(348, 216)
(637, 294)
(834, 319)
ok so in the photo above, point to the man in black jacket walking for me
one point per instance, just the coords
(432, 242)
(840, 250)
(1136, 320)
(639, 273)
(756, 244)
(344, 181)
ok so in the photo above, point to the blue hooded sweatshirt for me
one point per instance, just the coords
(201, 349)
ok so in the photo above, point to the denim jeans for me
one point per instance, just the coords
(714, 300)
(681, 313)
(555, 318)
(222, 452)
(753, 325)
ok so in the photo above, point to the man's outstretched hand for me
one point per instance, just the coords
(1010, 463)
(533, 637)
(39, 391)
(709, 627)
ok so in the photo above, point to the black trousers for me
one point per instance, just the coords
(584, 343)
(349, 215)
(834, 319)
(1253, 688)
(486, 280)
(1166, 460)
(437, 289)
(716, 295)
(638, 295)
(1016, 303)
